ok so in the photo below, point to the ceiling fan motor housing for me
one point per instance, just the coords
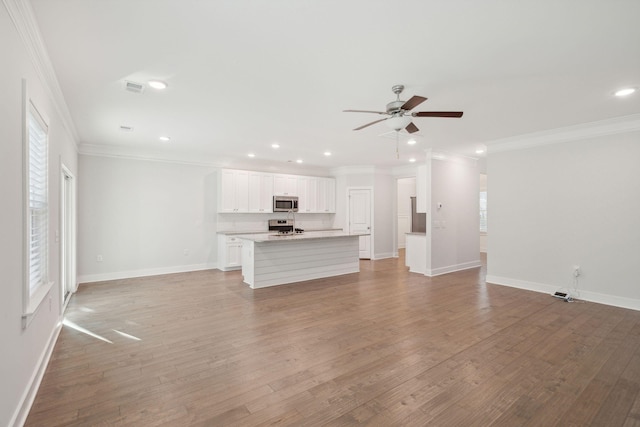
(394, 106)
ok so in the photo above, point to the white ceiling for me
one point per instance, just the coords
(244, 74)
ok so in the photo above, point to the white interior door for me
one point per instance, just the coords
(360, 218)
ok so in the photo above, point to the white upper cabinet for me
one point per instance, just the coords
(308, 194)
(233, 193)
(326, 198)
(260, 192)
(247, 191)
(285, 185)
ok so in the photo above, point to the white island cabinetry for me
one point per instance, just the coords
(269, 260)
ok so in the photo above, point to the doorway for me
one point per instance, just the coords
(67, 236)
(359, 205)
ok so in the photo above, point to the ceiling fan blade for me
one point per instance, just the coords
(411, 128)
(437, 114)
(369, 124)
(363, 111)
(413, 102)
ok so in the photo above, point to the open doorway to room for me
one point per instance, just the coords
(483, 213)
(408, 219)
(406, 190)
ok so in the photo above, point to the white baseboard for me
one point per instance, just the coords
(384, 255)
(452, 268)
(89, 278)
(29, 395)
(613, 300)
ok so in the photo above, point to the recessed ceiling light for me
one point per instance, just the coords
(275, 145)
(251, 155)
(479, 151)
(412, 160)
(157, 84)
(327, 153)
(626, 91)
(299, 161)
(411, 142)
(165, 138)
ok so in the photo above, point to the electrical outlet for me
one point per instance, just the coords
(185, 252)
(576, 271)
(99, 258)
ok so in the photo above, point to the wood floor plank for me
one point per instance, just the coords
(381, 347)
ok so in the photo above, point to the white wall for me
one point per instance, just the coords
(384, 195)
(572, 203)
(453, 240)
(141, 216)
(25, 351)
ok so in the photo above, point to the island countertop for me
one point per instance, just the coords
(307, 235)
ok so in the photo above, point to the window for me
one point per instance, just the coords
(36, 210)
(483, 211)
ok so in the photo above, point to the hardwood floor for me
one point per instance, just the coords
(382, 347)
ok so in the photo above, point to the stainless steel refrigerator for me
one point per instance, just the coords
(418, 220)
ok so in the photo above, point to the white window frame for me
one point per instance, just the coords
(36, 202)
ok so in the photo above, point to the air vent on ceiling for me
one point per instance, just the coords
(126, 128)
(133, 86)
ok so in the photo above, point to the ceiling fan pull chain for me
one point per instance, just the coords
(397, 151)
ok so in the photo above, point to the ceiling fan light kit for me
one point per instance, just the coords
(398, 122)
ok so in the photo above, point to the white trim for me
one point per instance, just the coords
(613, 300)
(90, 278)
(613, 126)
(24, 20)
(146, 155)
(451, 268)
(384, 255)
(28, 396)
(64, 172)
(32, 302)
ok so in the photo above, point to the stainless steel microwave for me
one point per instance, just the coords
(285, 204)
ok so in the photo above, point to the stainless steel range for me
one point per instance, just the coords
(284, 227)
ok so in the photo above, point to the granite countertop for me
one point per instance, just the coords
(307, 235)
(236, 232)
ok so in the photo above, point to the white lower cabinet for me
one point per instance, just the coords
(229, 253)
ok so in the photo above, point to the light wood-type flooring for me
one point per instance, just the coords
(383, 347)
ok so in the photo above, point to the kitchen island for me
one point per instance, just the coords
(271, 259)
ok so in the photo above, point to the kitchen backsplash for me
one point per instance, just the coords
(257, 222)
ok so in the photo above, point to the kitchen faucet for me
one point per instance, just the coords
(290, 211)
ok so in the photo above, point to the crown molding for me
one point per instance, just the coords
(360, 170)
(124, 153)
(613, 126)
(23, 18)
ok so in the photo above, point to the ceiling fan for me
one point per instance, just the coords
(400, 114)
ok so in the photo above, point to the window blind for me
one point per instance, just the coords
(38, 215)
